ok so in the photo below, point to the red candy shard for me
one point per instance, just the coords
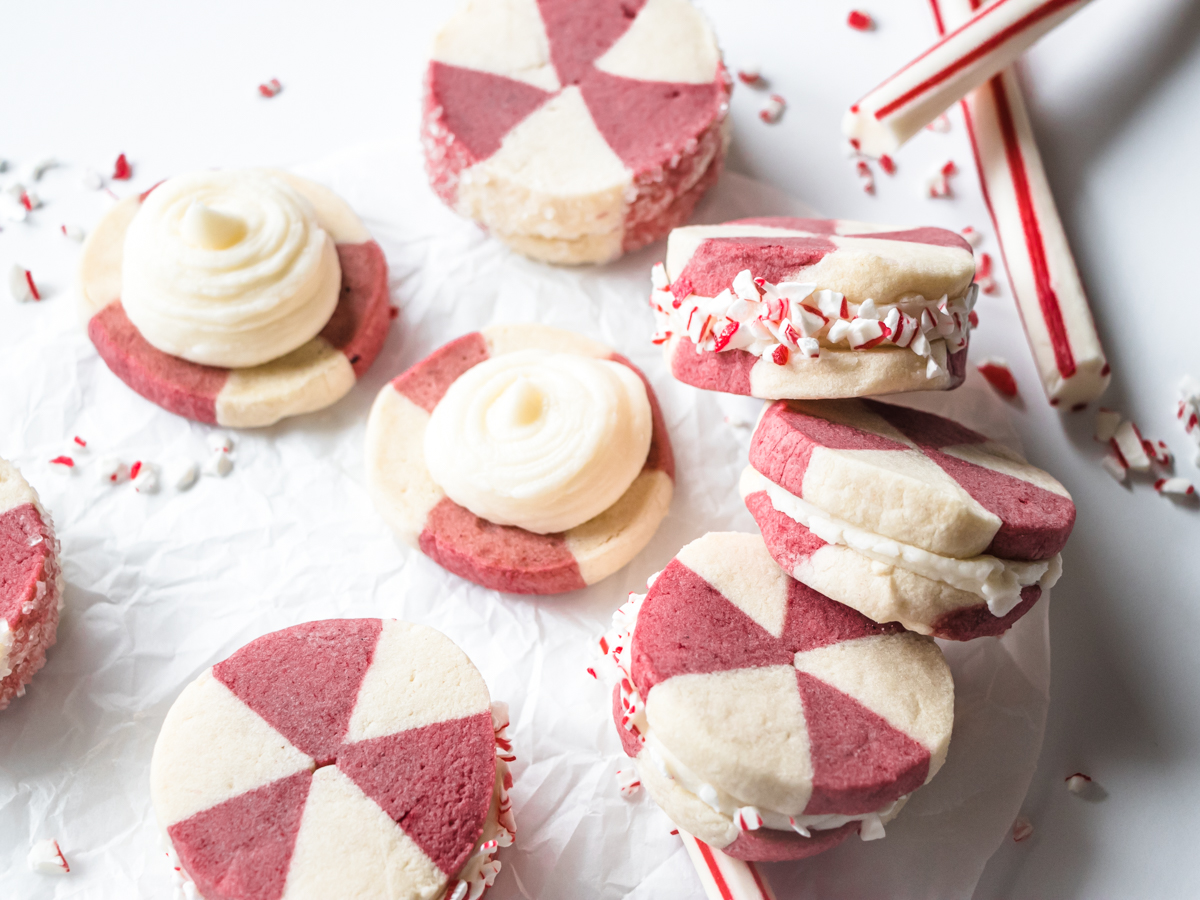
(270, 88)
(80, 441)
(887, 164)
(433, 781)
(860, 21)
(64, 461)
(32, 287)
(241, 849)
(999, 376)
(122, 170)
(134, 469)
(779, 356)
(304, 681)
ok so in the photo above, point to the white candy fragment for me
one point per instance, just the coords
(1178, 487)
(219, 465)
(74, 232)
(772, 109)
(1022, 829)
(146, 480)
(972, 237)
(751, 75)
(1128, 441)
(93, 180)
(748, 818)
(1077, 783)
(872, 828)
(20, 284)
(1107, 421)
(1189, 412)
(111, 470)
(181, 474)
(46, 857)
(219, 442)
(1115, 467)
(658, 277)
(628, 783)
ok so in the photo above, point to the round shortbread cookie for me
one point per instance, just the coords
(311, 377)
(575, 132)
(758, 709)
(865, 289)
(503, 557)
(340, 758)
(31, 583)
(904, 515)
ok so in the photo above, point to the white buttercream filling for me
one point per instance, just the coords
(544, 441)
(760, 318)
(6, 641)
(228, 268)
(998, 582)
(726, 804)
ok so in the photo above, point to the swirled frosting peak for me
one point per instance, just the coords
(541, 440)
(228, 268)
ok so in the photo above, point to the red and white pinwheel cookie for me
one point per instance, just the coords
(784, 308)
(31, 583)
(767, 720)
(906, 516)
(523, 458)
(237, 297)
(575, 131)
(340, 758)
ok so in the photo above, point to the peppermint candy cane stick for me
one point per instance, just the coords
(724, 877)
(1050, 297)
(961, 61)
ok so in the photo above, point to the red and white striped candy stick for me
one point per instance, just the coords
(724, 877)
(961, 61)
(1041, 270)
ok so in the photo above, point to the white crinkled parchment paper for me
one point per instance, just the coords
(162, 586)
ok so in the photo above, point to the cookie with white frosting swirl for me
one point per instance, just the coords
(523, 458)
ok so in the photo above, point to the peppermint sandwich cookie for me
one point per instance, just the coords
(523, 458)
(905, 516)
(339, 758)
(575, 132)
(764, 718)
(784, 308)
(31, 583)
(236, 298)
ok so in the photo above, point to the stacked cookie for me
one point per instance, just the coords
(781, 692)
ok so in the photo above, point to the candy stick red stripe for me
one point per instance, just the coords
(714, 870)
(982, 50)
(1047, 299)
(723, 877)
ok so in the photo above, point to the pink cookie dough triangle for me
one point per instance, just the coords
(481, 107)
(860, 762)
(304, 681)
(433, 781)
(717, 261)
(241, 849)
(580, 33)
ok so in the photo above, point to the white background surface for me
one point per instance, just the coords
(1114, 98)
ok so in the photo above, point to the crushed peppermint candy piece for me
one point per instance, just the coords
(35, 171)
(1077, 782)
(972, 236)
(270, 88)
(1188, 412)
(218, 465)
(47, 857)
(1114, 465)
(145, 478)
(887, 164)
(111, 470)
(938, 185)
(1176, 487)
(751, 75)
(92, 180)
(64, 461)
(122, 170)
(748, 818)
(1022, 829)
(1129, 443)
(872, 828)
(219, 442)
(941, 124)
(1107, 421)
(21, 285)
(79, 441)
(628, 783)
(74, 232)
(181, 474)
(999, 376)
(983, 274)
(773, 109)
(1159, 453)
(866, 176)
(860, 21)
